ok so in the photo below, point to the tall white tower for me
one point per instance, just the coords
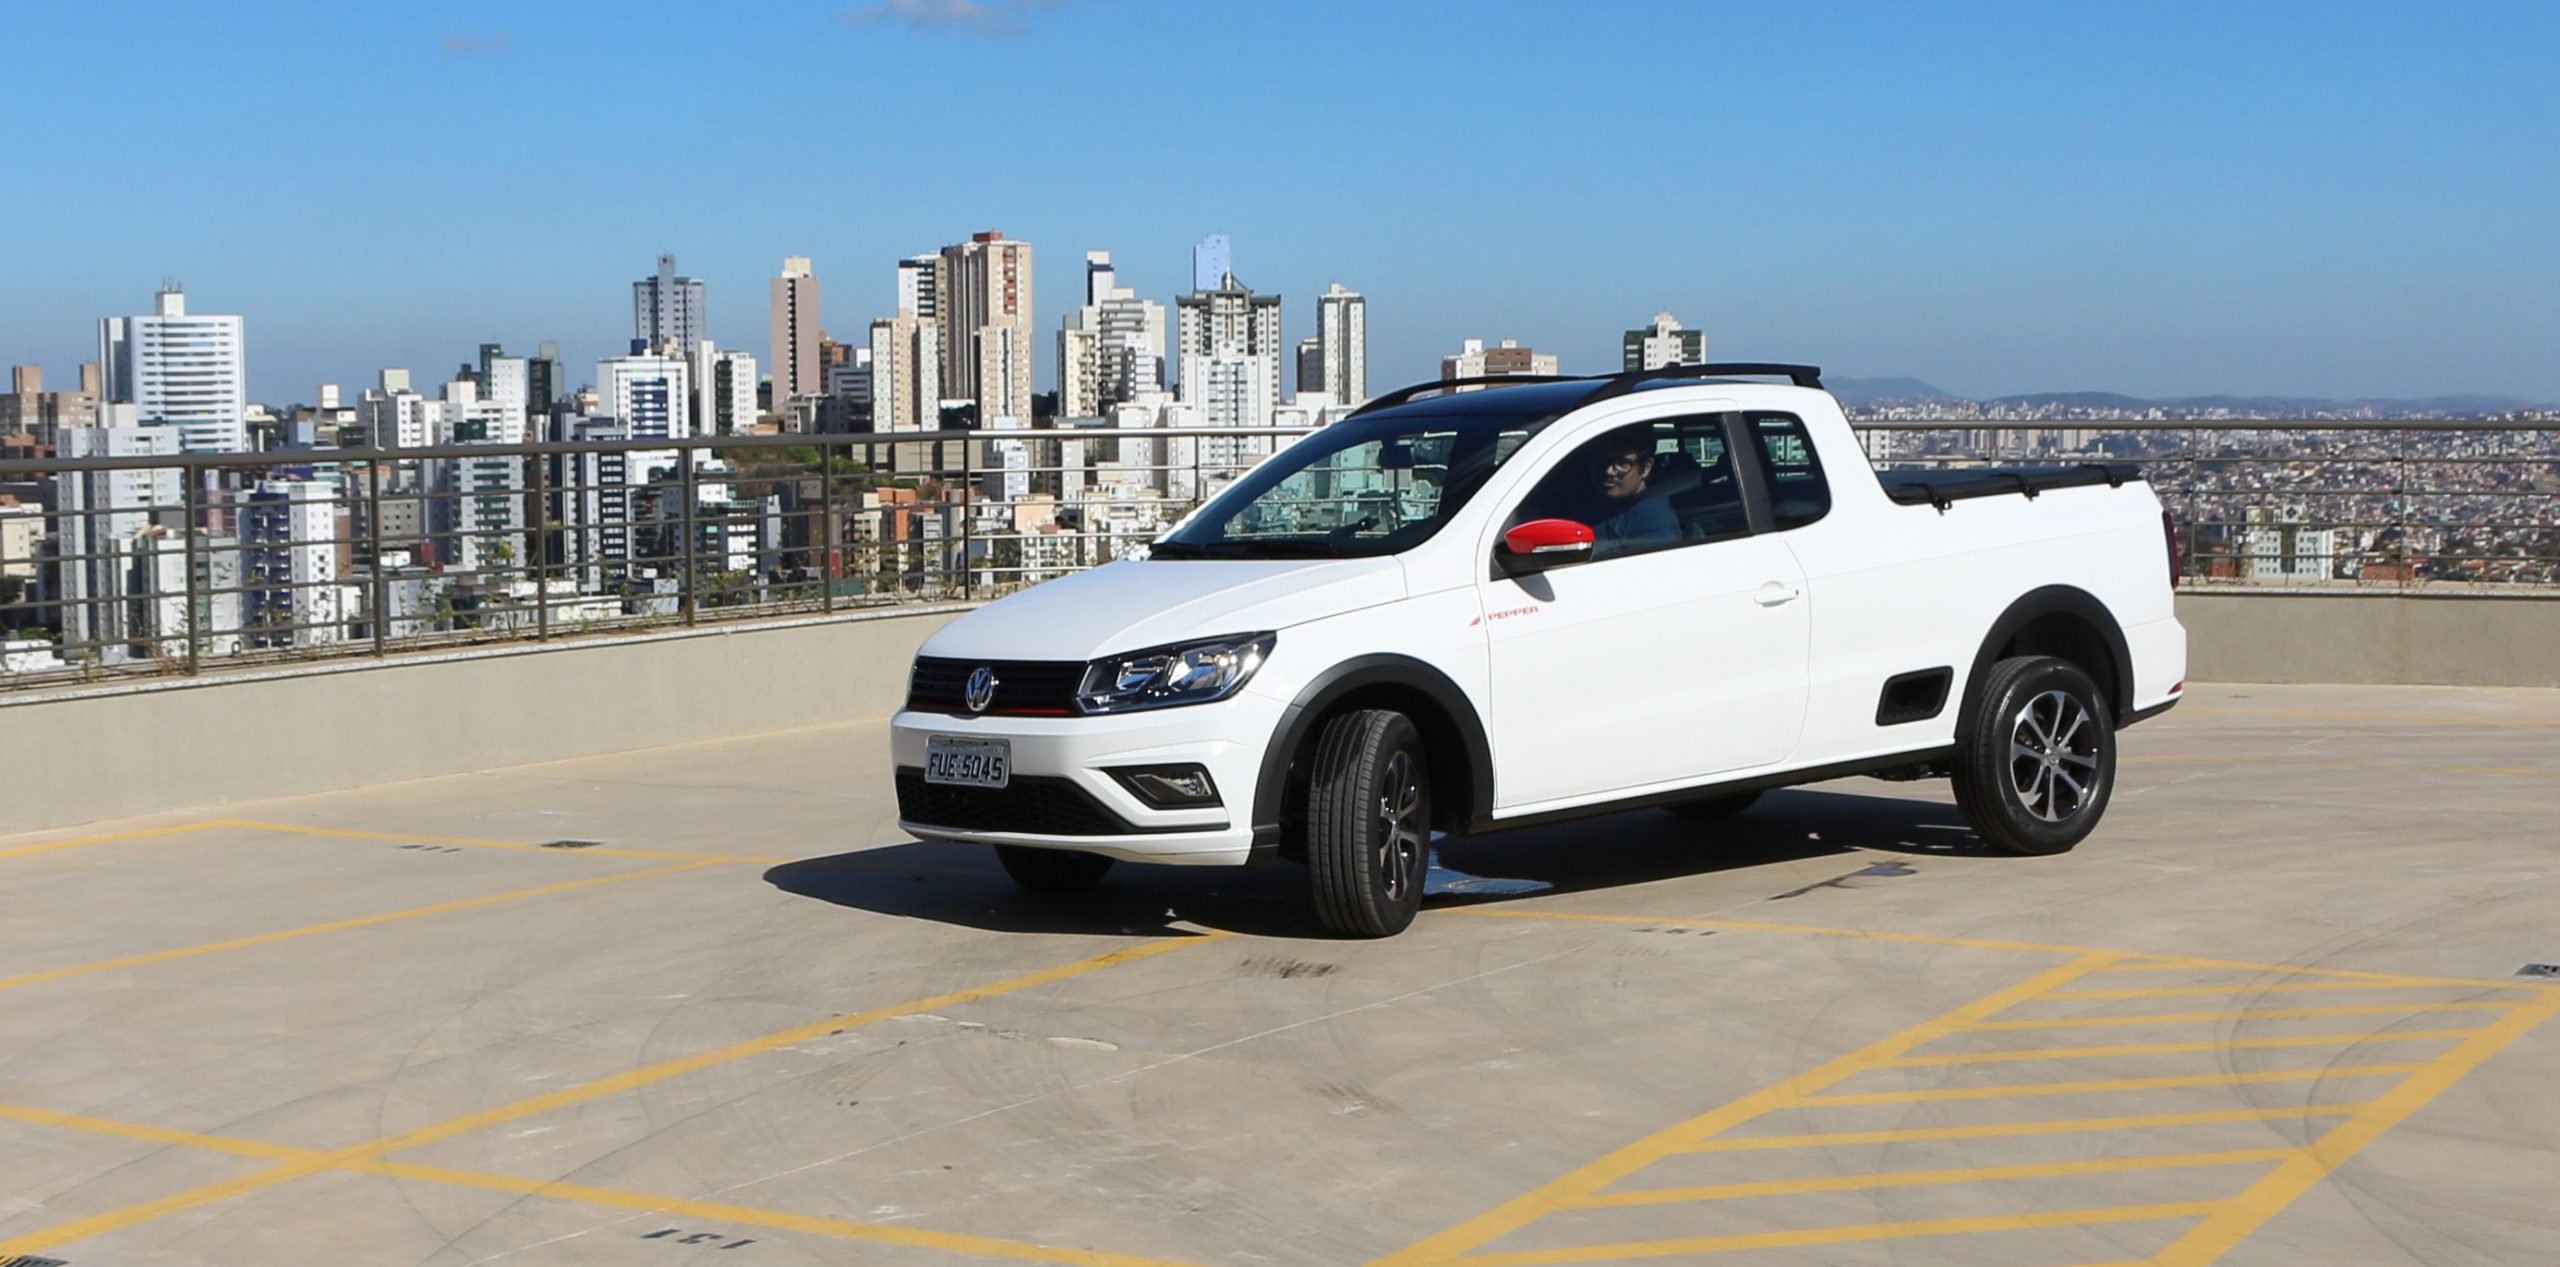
(1342, 345)
(179, 370)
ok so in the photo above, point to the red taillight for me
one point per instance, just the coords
(2169, 535)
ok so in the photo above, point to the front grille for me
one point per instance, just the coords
(1035, 805)
(1024, 688)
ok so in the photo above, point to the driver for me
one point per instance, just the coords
(1623, 466)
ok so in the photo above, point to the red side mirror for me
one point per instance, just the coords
(1544, 543)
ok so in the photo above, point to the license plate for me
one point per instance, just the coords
(968, 762)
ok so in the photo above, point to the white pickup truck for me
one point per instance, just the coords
(1463, 611)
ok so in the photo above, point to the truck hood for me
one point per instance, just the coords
(1131, 604)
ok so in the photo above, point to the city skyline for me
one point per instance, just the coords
(2177, 202)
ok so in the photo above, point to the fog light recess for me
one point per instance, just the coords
(1170, 786)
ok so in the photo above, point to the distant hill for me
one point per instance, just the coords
(1869, 391)
(1860, 392)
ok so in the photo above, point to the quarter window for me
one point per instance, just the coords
(1798, 495)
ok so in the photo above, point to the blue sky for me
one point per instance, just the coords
(2320, 198)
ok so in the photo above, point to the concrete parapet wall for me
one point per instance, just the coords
(2372, 639)
(83, 754)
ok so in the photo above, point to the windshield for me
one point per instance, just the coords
(1360, 487)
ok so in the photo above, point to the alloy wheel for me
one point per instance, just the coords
(1404, 846)
(2053, 756)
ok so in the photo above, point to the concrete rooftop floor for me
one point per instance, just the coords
(2269, 1014)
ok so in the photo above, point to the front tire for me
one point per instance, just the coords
(1052, 870)
(1368, 823)
(2035, 776)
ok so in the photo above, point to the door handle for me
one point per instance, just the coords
(1777, 594)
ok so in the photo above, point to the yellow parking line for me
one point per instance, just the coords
(2005, 1130)
(2227, 1227)
(22, 851)
(678, 1207)
(2260, 1014)
(2260, 763)
(1843, 1235)
(475, 842)
(2172, 1049)
(2169, 963)
(113, 1220)
(2024, 1089)
(1580, 1185)
(338, 926)
(1924, 1178)
(2399, 718)
(2130, 961)
(2226, 991)
(1978, 943)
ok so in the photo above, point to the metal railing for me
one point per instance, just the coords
(149, 565)
(115, 566)
(2407, 506)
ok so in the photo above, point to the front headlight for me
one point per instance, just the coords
(1162, 677)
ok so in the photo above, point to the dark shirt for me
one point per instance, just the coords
(1642, 526)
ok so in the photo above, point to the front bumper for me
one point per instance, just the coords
(1063, 796)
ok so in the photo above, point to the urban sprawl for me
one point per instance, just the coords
(687, 478)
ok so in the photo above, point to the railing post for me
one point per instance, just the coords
(826, 542)
(685, 595)
(373, 544)
(968, 517)
(192, 497)
(538, 547)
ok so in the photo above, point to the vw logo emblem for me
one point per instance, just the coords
(981, 690)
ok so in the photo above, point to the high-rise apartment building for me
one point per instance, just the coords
(1211, 261)
(102, 518)
(1310, 365)
(649, 398)
(1230, 362)
(906, 374)
(290, 595)
(1342, 342)
(181, 370)
(30, 410)
(1503, 360)
(797, 368)
(666, 311)
(1663, 344)
(984, 309)
(919, 287)
(726, 399)
(1112, 348)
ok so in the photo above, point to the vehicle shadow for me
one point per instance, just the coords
(961, 884)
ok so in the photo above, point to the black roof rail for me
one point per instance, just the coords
(1633, 380)
(1611, 384)
(1403, 394)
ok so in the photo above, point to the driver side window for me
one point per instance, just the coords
(1644, 487)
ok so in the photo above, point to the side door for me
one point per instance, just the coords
(1678, 652)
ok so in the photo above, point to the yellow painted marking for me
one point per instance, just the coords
(2005, 1130)
(474, 842)
(313, 1163)
(1843, 1235)
(339, 926)
(1923, 1178)
(2226, 991)
(680, 1207)
(2131, 961)
(2215, 1236)
(81, 842)
(2257, 762)
(2171, 1049)
(2398, 718)
(2112, 1084)
(2260, 1014)
(1582, 1184)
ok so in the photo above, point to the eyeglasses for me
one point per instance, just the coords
(1625, 462)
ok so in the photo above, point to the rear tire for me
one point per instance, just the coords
(1052, 870)
(1368, 823)
(2035, 775)
(1714, 807)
